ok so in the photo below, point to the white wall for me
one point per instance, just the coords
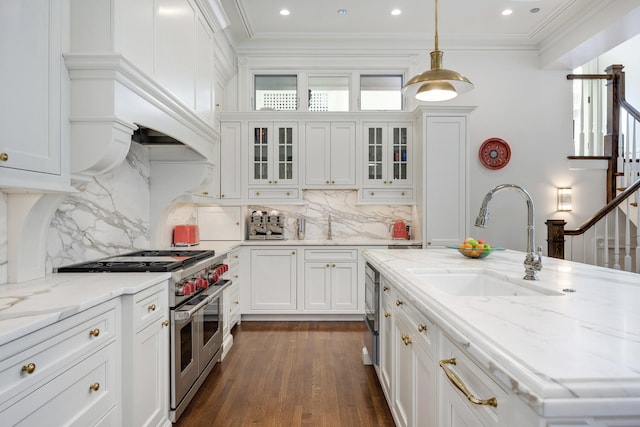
(627, 55)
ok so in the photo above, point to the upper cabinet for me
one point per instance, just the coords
(330, 153)
(387, 163)
(273, 161)
(33, 147)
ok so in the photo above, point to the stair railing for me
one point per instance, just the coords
(620, 218)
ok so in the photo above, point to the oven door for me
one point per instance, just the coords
(210, 339)
(185, 327)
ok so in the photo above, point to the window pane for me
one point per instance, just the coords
(328, 93)
(381, 92)
(276, 92)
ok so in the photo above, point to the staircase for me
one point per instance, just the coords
(610, 237)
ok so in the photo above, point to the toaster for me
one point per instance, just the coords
(186, 235)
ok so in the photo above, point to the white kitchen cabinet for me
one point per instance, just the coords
(230, 161)
(330, 282)
(220, 222)
(273, 279)
(34, 147)
(65, 374)
(330, 153)
(145, 356)
(414, 380)
(386, 338)
(234, 289)
(446, 182)
(273, 153)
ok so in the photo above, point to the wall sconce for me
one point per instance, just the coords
(564, 199)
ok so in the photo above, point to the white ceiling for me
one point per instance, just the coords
(462, 23)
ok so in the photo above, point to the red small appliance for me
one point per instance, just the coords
(400, 230)
(186, 235)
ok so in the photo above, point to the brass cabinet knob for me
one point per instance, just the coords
(333, 182)
(326, 182)
(29, 368)
(385, 288)
(293, 252)
(402, 194)
(406, 339)
(257, 193)
(94, 387)
(399, 303)
(222, 196)
(270, 182)
(328, 265)
(387, 314)
(384, 182)
(152, 307)
(275, 182)
(288, 193)
(94, 332)
(422, 328)
(236, 302)
(165, 323)
(4, 157)
(206, 193)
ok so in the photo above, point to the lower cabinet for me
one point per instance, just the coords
(65, 374)
(273, 279)
(331, 280)
(386, 338)
(413, 378)
(145, 357)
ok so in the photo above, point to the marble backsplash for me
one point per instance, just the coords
(109, 216)
(349, 221)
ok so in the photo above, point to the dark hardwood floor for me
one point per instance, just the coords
(291, 374)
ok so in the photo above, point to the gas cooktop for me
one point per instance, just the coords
(141, 261)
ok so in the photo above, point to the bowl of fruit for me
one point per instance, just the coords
(475, 248)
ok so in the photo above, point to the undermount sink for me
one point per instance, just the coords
(477, 283)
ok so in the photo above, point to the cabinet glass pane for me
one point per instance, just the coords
(260, 152)
(400, 153)
(375, 153)
(285, 153)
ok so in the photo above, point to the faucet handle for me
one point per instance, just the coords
(537, 265)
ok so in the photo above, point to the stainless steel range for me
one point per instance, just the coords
(195, 301)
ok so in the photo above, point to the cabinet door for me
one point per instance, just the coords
(273, 279)
(230, 158)
(317, 285)
(445, 208)
(31, 104)
(403, 374)
(285, 153)
(375, 172)
(343, 154)
(317, 166)
(386, 348)
(344, 286)
(260, 151)
(151, 385)
(400, 154)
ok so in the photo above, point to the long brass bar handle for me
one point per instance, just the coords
(456, 381)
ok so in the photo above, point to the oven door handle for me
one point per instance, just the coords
(185, 315)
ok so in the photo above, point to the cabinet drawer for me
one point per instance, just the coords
(478, 383)
(384, 194)
(335, 255)
(51, 348)
(421, 330)
(273, 193)
(150, 305)
(79, 396)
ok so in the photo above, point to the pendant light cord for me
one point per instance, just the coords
(436, 39)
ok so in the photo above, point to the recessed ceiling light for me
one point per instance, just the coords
(342, 11)
(507, 12)
(396, 12)
(535, 10)
(284, 12)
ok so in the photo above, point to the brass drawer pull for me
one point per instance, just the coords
(4, 157)
(387, 314)
(94, 332)
(406, 339)
(422, 328)
(399, 303)
(29, 369)
(152, 307)
(94, 387)
(456, 381)
(165, 323)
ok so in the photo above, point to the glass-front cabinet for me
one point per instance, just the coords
(273, 153)
(388, 154)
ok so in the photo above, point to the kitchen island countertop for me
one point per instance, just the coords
(573, 353)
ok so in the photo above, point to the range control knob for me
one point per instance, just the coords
(202, 283)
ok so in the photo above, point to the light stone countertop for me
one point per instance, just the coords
(573, 354)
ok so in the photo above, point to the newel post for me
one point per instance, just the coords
(555, 237)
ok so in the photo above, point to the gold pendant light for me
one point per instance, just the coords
(437, 84)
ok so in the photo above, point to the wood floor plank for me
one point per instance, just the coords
(291, 374)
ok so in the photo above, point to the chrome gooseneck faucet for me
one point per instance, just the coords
(533, 261)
